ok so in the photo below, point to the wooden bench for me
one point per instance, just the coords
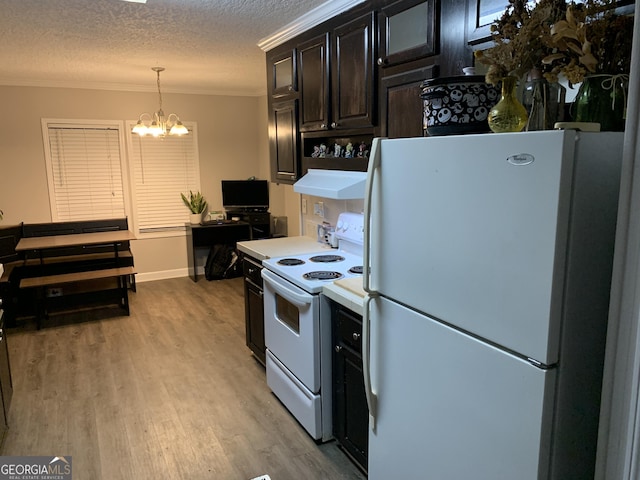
(41, 283)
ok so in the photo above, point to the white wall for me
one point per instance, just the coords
(233, 144)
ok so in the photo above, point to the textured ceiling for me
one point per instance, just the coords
(206, 46)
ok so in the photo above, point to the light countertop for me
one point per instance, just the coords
(348, 292)
(280, 247)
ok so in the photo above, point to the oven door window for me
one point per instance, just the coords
(287, 313)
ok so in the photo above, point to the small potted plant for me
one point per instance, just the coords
(197, 205)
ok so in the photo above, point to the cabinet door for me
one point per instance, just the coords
(401, 107)
(407, 31)
(6, 383)
(481, 14)
(313, 61)
(283, 139)
(352, 66)
(350, 412)
(254, 317)
(283, 79)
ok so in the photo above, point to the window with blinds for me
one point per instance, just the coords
(161, 169)
(91, 176)
(84, 170)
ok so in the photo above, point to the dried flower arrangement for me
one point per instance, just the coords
(592, 38)
(555, 37)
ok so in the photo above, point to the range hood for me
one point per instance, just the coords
(336, 184)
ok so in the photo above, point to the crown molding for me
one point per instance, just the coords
(119, 87)
(315, 17)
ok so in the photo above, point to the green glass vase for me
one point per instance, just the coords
(603, 99)
(508, 115)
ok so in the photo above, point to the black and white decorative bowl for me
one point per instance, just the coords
(457, 105)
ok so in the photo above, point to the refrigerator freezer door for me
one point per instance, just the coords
(479, 247)
(451, 407)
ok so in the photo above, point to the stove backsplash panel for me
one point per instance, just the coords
(321, 215)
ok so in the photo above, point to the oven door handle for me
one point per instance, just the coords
(276, 283)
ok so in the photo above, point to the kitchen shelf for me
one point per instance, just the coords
(310, 140)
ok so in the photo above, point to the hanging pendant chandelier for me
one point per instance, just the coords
(156, 124)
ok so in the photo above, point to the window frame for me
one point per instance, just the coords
(118, 125)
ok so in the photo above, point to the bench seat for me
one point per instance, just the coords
(50, 280)
(40, 283)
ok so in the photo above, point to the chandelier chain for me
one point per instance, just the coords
(159, 92)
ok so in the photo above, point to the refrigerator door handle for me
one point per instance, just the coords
(372, 398)
(374, 163)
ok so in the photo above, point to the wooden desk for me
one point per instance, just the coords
(199, 236)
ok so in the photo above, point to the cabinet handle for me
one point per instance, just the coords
(382, 61)
(251, 270)
(356, 336)
(334, 125)
(290, 88)
(323, 126)
(338, 348)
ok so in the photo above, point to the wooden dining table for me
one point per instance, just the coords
(48, 242)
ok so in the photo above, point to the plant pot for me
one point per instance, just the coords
(457, 105)
(195, 218)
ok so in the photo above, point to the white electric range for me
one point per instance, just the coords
(298, 324)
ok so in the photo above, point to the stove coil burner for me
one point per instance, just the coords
(357, 269)
(322, 275)
(290, 262)
(327, 258)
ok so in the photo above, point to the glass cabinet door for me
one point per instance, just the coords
(284, 74)
(482, 13)
(407, 31)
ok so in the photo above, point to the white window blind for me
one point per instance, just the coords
(84, 169)
(161, 169)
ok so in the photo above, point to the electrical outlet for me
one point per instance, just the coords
(54, 292)
(304, 206)
(318, 209)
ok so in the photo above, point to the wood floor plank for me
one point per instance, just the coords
(169, 392)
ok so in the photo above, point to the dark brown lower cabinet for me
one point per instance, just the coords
(253, 307)
(350, 412)
(6, 384)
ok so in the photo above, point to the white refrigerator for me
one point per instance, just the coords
(489, 263)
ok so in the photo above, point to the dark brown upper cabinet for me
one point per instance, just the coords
(313, 61)
(407, 31)
(401, 107)
(352, 61)
(283, 74)
(341, 96)
(481, 14)
(283, 141)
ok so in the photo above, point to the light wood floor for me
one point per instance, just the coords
(170, 392)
